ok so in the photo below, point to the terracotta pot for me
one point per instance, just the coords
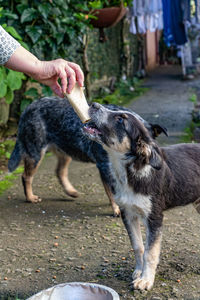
(108, 17)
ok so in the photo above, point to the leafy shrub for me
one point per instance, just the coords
(125, 91)
(98, 4)
(48, 27)
(10, 80)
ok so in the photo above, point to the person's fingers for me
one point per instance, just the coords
(68, 73)
(78, 72)
(63, 78)
(71, 79)
(56, 88)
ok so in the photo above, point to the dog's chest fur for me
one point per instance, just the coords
(125, 196)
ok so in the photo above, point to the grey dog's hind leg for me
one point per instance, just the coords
(62, 174)
(30, 168)
(115, 207)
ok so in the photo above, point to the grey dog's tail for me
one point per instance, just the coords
(15, 158)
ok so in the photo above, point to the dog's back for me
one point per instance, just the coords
(183, 161)
(52, 122)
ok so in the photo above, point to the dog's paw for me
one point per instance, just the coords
(136, 274)
(116, 211)
(143, 283)
(33, 199)
(73, 193)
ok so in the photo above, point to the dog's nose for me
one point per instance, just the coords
(95, 105)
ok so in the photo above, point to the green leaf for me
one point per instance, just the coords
(13, 32)
(9, 96)
(28, 15)
(21, 7)
(34, 33)
(3, 89)
(59, 37)
(56, 11)
(44, 10)
(2, 74)
(96, 4)
(32, 92)
(14, 80)
(9, 15)
(82, 7)
(24, 103)
(46, 91)
(7, 154)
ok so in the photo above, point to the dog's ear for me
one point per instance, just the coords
(155, 159)
(157, 130)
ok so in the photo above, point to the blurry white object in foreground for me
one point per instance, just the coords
(77, 291)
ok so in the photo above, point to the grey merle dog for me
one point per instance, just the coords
(149, 179)
(51, 124)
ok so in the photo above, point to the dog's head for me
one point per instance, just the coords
(123, 132)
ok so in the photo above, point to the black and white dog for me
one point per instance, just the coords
(149, 179)
(52, 124)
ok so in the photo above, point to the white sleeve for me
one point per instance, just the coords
(8, 45)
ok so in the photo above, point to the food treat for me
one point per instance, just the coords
(79, 103)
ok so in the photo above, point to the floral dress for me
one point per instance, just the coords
(8, 45)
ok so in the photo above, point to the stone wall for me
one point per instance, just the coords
(116, 57)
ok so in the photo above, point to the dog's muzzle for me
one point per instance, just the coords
(91, 129)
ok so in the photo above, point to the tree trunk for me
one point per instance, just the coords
(86, 69)
(4, 112)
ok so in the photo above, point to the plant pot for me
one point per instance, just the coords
(108, 17)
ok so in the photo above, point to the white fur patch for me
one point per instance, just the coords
(125, 197)
(144, 172)
(138, 203)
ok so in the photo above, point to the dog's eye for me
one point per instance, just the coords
(119, 119)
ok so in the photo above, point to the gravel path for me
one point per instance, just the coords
(64, 240)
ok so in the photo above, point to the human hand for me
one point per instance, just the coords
(48, 73)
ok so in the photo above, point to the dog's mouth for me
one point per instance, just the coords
(92, 131)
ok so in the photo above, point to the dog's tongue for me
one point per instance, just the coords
(91, 130)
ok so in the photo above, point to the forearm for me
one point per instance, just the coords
(16, 57)
(23, 61)
(46, 72)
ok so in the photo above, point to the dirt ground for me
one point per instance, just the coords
(65, 240)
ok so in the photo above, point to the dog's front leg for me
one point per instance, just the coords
(132, 224)
(109, 184)
(151, 255)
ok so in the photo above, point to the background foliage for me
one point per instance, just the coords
(47, 27)
(55, 28)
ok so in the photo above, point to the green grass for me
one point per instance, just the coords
(19, 170)
(189, 132)
(193, 98)
(4, 185)
(126, 90)
(190, 129)
(6, 148)
(8, 180)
